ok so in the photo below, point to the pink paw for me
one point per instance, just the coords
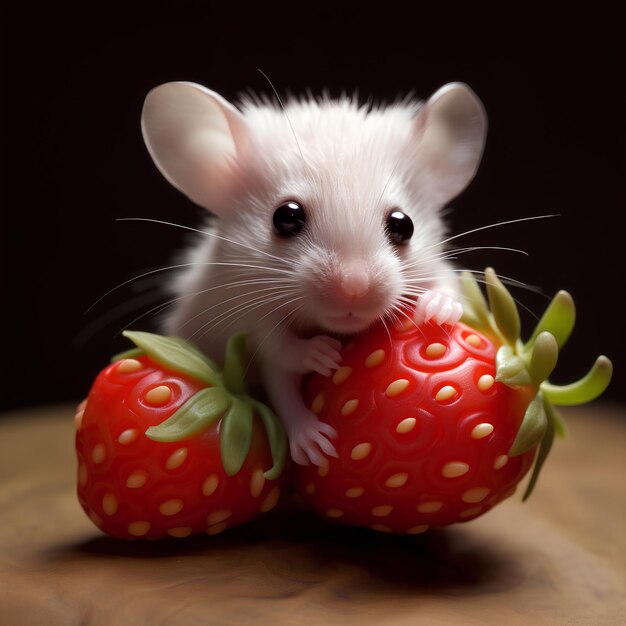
(309, 441)
(320, 354)
(438, 307)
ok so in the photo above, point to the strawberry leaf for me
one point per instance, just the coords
(545, 353)
(532, 428)
(193, 417)
(276, 437)
(544, 448)
(558, 320)
(503, 308)
(510, 368)
(236, 436)
(175, 354)
(584, 390)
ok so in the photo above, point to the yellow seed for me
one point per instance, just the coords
(176, 459)
(446, 393)
(382, 510)
(500, 461)
(310, 488)
(477, 494)
(481, 430)
(360, 451)
(138, 529)
(485, 382)
(218, 516)
(355, 492)
(109, 504)
(180, 532)
(171, 507)
(349, 407)
(381, 528)
(406, 425)
(128, 365)
(405, 325)
(471, 512)
(128, 436)
(99, 453)
(454, 469)
(323, 470)
(334, 513)
(318, 403)
(375, 358)
(342, 374)
(217, 529)
(432, 506)
(257, 482)
(397, 480)
(210, 485)
(396, 387)
(418, 530)
(159, 395)
(474, 340)
(435, 350)
(270, 501)
(137, 479)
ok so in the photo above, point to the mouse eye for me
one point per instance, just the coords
(289, 218)
(399, 226)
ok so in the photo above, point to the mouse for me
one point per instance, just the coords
(323, 217)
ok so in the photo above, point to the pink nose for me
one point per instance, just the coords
(355, 282)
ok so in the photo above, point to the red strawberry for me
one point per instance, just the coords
(439, 424)
(168, 446)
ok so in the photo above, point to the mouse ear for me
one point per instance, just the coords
(194, 137)
(451, 127)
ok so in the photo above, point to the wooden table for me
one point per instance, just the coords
(560, 558)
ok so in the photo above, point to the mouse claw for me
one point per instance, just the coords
(321, 355)
(438, 307)
(309, 442)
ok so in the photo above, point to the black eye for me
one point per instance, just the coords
(399, 226)
(289, 218)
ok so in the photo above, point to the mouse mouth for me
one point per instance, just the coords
(347, 322)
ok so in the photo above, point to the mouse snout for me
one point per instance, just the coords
(354, 281)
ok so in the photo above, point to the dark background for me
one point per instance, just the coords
(74, 78)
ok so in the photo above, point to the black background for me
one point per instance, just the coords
(74, 79)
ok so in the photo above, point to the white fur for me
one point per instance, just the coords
(348, 165)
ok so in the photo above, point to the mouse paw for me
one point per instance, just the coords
(438, 307)
(309, 440)
(320, 354)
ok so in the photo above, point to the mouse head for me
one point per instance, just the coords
(340, 202)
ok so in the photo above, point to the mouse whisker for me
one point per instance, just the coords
(208, 233)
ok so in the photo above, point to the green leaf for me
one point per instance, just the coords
(544, 449)
(133, 353)
(532, 428)
(174, 354)
(474, 303)
(235, 363)
(560, 427)
(194, 417)
(236, 436)
(558, 319)
(510, 368)
(276, 437)
(545, 353)
(189, 346)
(584, 390)
(503, 308)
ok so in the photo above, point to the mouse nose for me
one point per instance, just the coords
(355, 281)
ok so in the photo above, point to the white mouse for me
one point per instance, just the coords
(323, 217)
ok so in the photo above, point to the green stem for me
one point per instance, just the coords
(584, 390)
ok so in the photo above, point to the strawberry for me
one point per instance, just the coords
(438, 424)
(168, 445)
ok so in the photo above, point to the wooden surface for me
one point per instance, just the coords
(560, 558)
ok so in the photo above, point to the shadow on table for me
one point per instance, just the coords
(289, 543)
